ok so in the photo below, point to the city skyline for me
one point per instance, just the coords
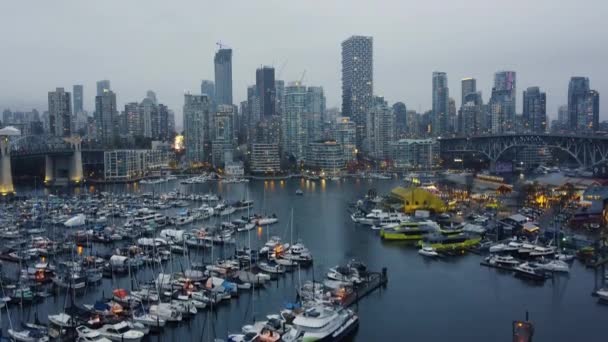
(403, 62)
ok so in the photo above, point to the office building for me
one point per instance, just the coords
(149, 118)
(196, 122)
(583, 106)
(535, 110)
(265, 86)
(502, 102)
(279, 89)
(106, 117)
(357, 82)
(441, 98)
(102, 86)
(223, 76)
(60, 113)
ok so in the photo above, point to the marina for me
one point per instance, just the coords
(417, 282)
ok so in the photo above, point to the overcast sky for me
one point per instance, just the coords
(168, 46)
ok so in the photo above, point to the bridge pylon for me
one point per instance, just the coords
(6, 178)
(76, 174)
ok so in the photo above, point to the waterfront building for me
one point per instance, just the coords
(196, 122)
(131, 165)
(106, 117)
(415, 154)
(583, 106)
(535, 110)
(502, 102)
(223, 76)
(357, 82)
(380, 130)
(326, 156)
(234, 169)
(344, 133)
(223, 138)
(60, 113)
(265, 86)
(102, 86)
(441, 98)
(265, 158)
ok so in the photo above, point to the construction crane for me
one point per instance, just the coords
(302, 78)
(222, 46)
(281, 69)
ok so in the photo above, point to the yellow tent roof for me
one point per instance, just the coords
(417, 198)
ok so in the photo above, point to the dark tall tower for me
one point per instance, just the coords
(400, 111)
(357, 82)
(223, 76)
(264, 81)
(77, 93)
(535, 110)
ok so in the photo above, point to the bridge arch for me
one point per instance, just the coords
(500, 153)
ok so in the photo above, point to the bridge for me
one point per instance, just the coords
(585, 150)
(63, 157)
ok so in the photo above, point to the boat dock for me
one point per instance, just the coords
(373, 282)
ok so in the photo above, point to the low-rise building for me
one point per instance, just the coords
(415, 154)
(234, 169)
(327, 156)
(131, 165)
(265, 158)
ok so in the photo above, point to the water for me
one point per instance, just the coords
(426, 300)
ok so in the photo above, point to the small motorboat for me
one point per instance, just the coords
(428, 252)
(28, 335)
(299, 192)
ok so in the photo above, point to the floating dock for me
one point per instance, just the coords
(373, 282)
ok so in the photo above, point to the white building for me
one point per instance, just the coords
(130, 165)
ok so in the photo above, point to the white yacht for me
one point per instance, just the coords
(120, 332)
(428, 252)
(88, 335)
(500, 260)
(555, 266)
(322, 323)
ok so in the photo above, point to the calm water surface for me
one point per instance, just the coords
(453, 299)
